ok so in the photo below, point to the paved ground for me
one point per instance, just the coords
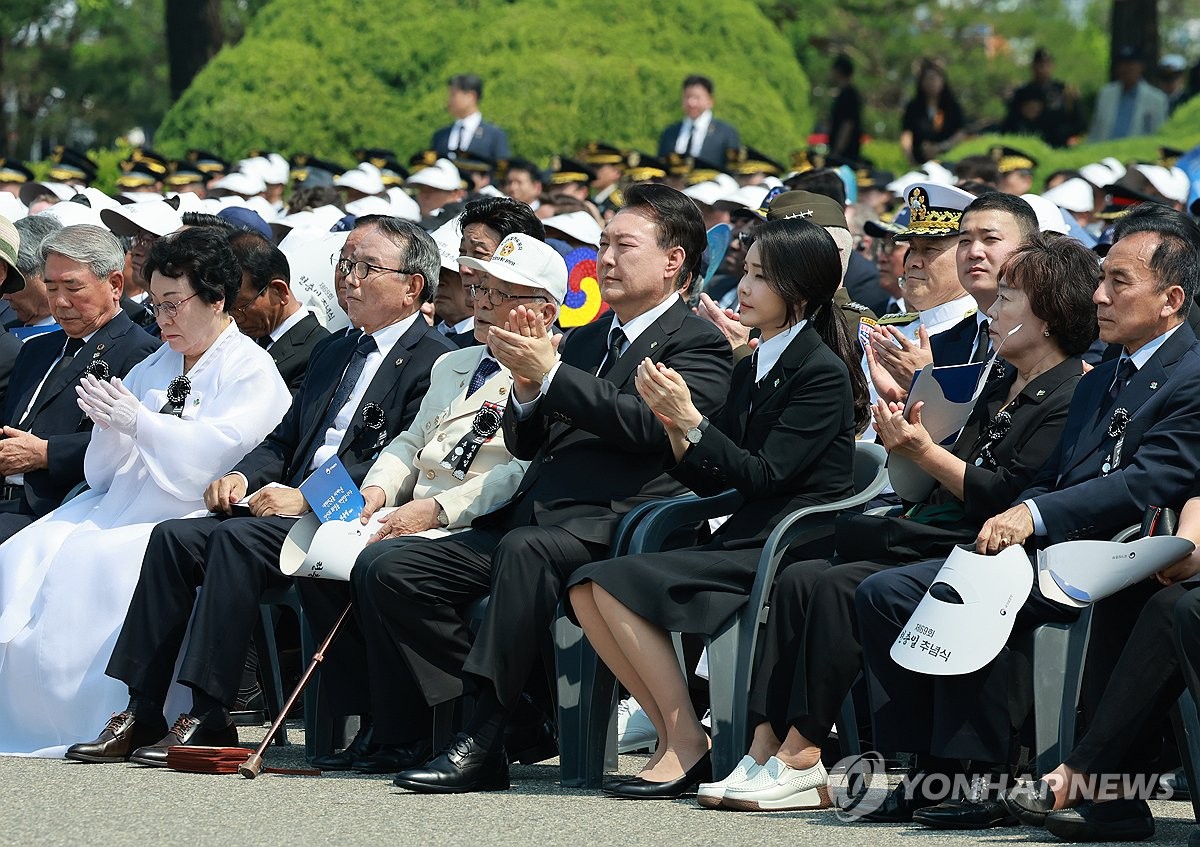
(44, 802)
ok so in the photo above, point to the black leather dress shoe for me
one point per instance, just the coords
(1030, 803)
(965, 814)
(1115, 820)
(120, 737)
(462, 767)
(903, 801)
(641, 789)
(186, 732)
(389, 758)
(359, 748)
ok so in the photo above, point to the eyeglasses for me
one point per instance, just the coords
(168, 308)
(240, 310)
(361, 269)
(497, 297)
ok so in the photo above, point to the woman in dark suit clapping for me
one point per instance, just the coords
(784, 440)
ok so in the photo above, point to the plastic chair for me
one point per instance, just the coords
(1186, 720)
(268, 666)
(583, 738)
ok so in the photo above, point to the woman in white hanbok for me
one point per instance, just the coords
(183, 416)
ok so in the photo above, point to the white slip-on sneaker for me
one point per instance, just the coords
(635, 732)
(710, 794)
(777, 788)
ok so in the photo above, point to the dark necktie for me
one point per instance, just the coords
(365, 346)
(265, 341)
(74, 345)
(1125, 370)
(981, 343)
(616, 339)
(487, 367)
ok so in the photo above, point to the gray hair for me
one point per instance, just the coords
(33, 231)
(420, 250)
(89, 245)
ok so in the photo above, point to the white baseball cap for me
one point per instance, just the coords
(947, 639)
(441, 175)
(747, 197)
(579, 225)
(237, 182)
(1172, 183)
(70, 214)
(360, 179)
(1050, 217)
(60, 190)
(158, 217)
(524, 260)
(370, 205)
(1074, 195)
(12, 208)
(448, 238)
(707, 192)
(403, 206)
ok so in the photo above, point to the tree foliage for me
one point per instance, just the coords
(327, 76)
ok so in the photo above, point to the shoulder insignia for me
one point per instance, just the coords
(902, 319)
(853, 306)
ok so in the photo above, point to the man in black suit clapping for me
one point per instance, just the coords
(596, 451)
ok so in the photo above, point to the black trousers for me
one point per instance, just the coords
(1144, 684)
(969, 716)
(810, 652)
(414, 597)
(235, 560)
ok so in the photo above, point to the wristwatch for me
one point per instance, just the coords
(693, 435)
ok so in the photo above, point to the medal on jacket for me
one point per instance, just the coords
(485, 425)
(98, 368)
(177, 393)
(1116, 429)
(374, 419)
(995, 432)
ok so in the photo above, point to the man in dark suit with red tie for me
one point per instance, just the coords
(361, 389)
(45, 434)
(596, 451)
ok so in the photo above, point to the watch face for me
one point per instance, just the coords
(693, 435)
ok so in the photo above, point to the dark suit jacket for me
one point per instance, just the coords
(955, 345)
(10, 348)
(56, 417)
(1160, 453)
(462, 339)
(595, 446)
(141, 316)
(489, 142)
(784, 443)
(397, 387)
(719, 139)
(290, 353)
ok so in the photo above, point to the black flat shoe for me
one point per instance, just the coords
(1116, 820)
(359, 748)
(462, 767)
(641, 789)
(965, 814)
(1030, 803)
(903, 801)
(390, 758)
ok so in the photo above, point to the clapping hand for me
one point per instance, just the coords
(898, 434)
(527, 348)
(726, 320)
(109, 404)
(900, 357)
(667, 395)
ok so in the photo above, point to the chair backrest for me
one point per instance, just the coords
(870, 466)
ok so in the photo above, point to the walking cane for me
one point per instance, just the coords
(253, 766)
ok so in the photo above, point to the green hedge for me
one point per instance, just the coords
(327, 76)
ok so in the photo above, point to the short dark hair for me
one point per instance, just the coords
(801, 263)
(824, 181)
(419, 252)
(679, 224)
(203, 256)
(1059, 276)
(205, 219)
(1065, 173)
(997, 201)
(977, 168)
(467, 82)
(261, 260)
(700, 80)
(1176, 260)
(535, 173)
(313, 197)
(504, 215)
(843, 65)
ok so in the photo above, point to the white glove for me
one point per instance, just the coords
(109, 404)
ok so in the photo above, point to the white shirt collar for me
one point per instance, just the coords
(386, 337)
(288, 322)
(641, 323)
(1149, 349)
(46, 321)
(940, 318)
(467, 324)
(469, 124)
(769, 351)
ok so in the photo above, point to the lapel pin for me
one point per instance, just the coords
(653, 344)
(196, 401)
(400, 361)
(1153, 386)
(1041, 393)
(503, 391)
(462, 384)
(776, 384)
(99, 349)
